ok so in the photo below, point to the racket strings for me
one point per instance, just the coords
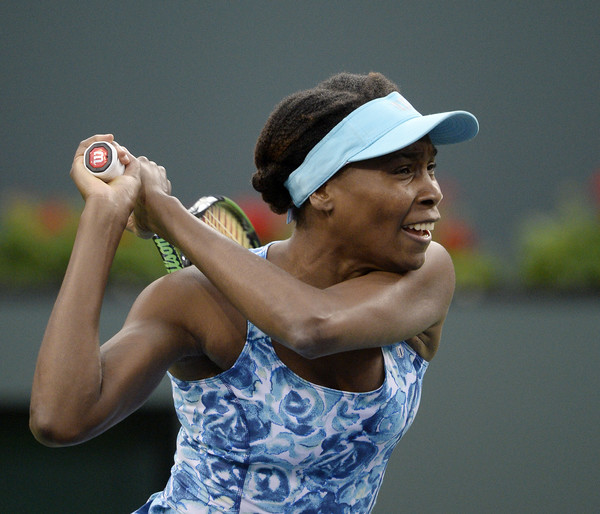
(225, 223)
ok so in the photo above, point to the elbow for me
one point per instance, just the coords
(311, 338)
(304, 346)
(52, 431)
(45, 435)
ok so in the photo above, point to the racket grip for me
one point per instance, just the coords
(101, 160)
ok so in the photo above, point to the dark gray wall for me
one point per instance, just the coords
(190, 84)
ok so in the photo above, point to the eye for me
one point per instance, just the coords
(431, 168)
(402, 170)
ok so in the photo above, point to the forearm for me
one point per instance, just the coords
(367, 311)
(265, 294)
(68, 375)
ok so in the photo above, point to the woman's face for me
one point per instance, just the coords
(385, 208)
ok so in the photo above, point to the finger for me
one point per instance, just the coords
(109, 138)
(122, 153)
(84, 180)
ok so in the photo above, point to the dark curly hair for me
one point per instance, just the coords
(299, 122)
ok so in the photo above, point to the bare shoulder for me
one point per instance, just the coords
(435, 278)
(437, 255)
(439, 265)
(438, 269)
(172, 297)
(189, 303)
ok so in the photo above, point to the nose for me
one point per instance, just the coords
(430, 193)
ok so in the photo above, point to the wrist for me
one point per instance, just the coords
(163, 209)
(104, 212)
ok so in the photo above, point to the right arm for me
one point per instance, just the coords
(81, 388)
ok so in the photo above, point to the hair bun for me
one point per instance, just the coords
(268, 181)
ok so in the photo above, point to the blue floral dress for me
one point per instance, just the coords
(259, 438)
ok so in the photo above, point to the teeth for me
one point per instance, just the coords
(421, 226)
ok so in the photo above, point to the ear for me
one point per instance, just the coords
(321, 200)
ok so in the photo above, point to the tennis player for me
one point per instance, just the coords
(297, 367)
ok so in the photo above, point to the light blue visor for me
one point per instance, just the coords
(379, 127)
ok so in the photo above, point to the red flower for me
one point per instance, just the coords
(268, 225)
(54, 216)
(454, 234)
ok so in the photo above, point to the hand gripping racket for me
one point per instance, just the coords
(220, 213)
(100, 159)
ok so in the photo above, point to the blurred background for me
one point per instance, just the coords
(510, 412)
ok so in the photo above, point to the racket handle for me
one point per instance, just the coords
(101, 160)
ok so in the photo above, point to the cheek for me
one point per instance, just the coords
(375, 200)
(392, 204)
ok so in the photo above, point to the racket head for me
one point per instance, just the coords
(220, 213)
(226, 217)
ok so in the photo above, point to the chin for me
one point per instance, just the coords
(413, 263)
(402, 260)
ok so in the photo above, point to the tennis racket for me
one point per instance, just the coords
(220, 213)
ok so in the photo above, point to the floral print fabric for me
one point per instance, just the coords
(259, 438)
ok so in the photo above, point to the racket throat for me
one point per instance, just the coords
(172, 259)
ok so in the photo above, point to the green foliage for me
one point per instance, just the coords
(475, 270)
(137, 261)
(557, 252)
(562, 252)
(37, 238)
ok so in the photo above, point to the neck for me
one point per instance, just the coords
(314, 258)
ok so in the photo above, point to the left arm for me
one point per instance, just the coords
(369, 311)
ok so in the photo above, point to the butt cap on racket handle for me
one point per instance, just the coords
(101, 160)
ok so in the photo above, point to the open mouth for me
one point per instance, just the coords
(420, 229)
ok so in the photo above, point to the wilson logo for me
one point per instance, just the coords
(168, 254)
(98, 157)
